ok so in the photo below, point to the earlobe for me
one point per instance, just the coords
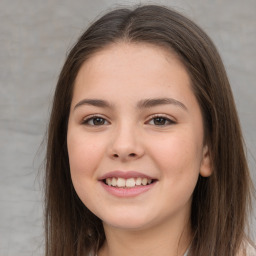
(206, 164)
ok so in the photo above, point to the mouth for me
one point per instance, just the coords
(127, 183)
(120, 182)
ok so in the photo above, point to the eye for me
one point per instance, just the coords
(95, 121)
(160, 121)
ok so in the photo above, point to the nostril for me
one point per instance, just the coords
(131, 155)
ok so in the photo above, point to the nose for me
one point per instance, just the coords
(126, 144)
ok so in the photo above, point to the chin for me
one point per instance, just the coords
(125, 225)
(128, 221)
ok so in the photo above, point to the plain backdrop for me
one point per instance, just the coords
(35, 36)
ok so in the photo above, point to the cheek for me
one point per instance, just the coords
(84, 154)
(179, 155)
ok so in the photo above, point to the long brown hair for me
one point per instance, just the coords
(221, 202)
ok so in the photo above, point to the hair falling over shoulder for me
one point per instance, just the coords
(221, 203)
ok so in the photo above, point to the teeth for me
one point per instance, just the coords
(108, 181)
(144, 181)
(128, 183)
(138, 181)
(120, 182)
(114, 182)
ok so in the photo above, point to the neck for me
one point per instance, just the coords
(163, 239)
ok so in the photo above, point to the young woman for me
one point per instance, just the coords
(145, 153)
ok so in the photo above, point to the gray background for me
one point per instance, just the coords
(34, 38)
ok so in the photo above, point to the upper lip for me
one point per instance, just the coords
(125, 175)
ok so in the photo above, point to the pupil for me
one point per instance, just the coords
(159, 121)
(98, 121)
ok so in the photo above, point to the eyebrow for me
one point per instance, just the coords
(93, 102)
(146, 103)
(149, 103)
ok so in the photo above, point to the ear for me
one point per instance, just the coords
(206, 164)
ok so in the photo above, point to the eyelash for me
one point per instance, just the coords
(167, 121)
(93, 118)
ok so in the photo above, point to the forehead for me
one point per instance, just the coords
(129, 62)
(131, 51)
(126, 73)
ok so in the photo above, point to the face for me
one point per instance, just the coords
(135, 137)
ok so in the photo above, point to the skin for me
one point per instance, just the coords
(127, 137)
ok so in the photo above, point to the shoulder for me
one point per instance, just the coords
(250, 250)
(247, 250)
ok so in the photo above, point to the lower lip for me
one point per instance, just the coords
(127, 192)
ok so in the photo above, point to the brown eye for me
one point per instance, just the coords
(160, 121)
(95, 121)
(98, 121)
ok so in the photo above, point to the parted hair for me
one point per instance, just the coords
(220, 203)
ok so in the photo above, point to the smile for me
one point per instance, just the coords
(127, 183)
